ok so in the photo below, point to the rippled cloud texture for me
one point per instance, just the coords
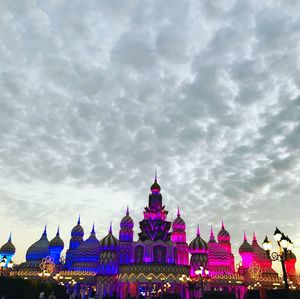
(96, 95)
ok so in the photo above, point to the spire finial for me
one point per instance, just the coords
(110, 228)
(254, 236)
(178, 212)
(78, 221)
(93, 229)
(222, 226)
(155, 176)
(127, 210)
(211, 233)
(57, 233)
(198, 231)
(9, 238)
(45, 230)
(245, 237)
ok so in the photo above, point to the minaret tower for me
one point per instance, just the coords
(77, 234)
(126, 239)
(179, 237)
(155, 227)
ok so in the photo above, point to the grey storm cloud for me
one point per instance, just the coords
(97, 95)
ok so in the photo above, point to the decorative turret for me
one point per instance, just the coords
(76, 240)
(178, 223)
(8, 250)
(179, 237)
(246, 252)
(56, 246)
(86, 256)
(126, 239)
(40, 249)
(126, 228)
(109, 246)
(198, 249)
(154, 226)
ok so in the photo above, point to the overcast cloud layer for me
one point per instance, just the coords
(96, 95)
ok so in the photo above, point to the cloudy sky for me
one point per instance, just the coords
(96, 95)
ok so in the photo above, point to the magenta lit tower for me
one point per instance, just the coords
(224, 241)
(219, 259)
(198, 250)
(246, 252)
(179, 237)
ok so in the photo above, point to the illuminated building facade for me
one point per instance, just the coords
(159, 261)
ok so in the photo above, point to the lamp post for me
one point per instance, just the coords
(200, 273)
(285, 248)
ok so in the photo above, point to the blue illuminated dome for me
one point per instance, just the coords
(39, 249)
(8, 248)
(77, 230)
(56, 242)
(88, 251)
(110, 242)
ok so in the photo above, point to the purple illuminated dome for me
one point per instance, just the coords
(178, 223)
(155, 188)
(127, 222)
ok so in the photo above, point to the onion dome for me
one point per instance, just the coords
(89, 250)
(245, 247)
(178, 223)
(211, 237)
(39, 249)
(77, 230)
(8, 248)
(198, 245)
(110, 242)
(127, 222)
(155, 188)
(56, 242)
(223, 235)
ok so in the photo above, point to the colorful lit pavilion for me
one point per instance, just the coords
(160, 261)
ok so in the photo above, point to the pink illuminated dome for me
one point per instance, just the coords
(223, 235)
(198, 245)
(178, 223)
